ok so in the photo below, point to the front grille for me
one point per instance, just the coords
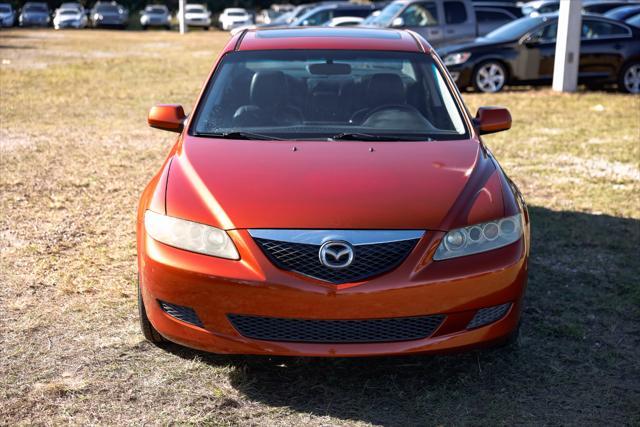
(186, 314)
(336, 331)
(484, 316)
(369, 260)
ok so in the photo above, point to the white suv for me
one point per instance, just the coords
(234, 17)
(197, 15)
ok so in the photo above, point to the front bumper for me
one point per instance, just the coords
(253, 286)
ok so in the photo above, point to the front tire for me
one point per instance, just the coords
(490, 77)
(629, 80)
(205, 28)
(150, 333)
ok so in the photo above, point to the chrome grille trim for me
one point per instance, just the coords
(318, 237)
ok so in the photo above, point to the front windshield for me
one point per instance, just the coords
(36, 8)
(195, 9)
(156, 9)
(384, 18)
(5, 8)
(322, 94)
(108, 9)
(515, 29)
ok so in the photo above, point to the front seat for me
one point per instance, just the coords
(268, 107)
(383, 89)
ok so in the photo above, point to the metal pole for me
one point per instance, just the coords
(181, 17)
(565, 68)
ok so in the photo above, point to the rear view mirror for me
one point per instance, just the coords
(329, 69)
(398, 22)
(492, 119)
(167, 117)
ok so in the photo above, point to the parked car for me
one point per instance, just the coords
(234, 17)
(197, 15)
(623, 13)
(326, 12)
(539, 7)
(34, 14)
(72, 6)
(344, 21)
(439, 21)
(262, 235)
(69, 18)
(109, 14)
(283, 20)
(523, 52)
(7, 15)
(634, 20)
(266, 16)
(490, 16)
(155, 15)
(603, 6)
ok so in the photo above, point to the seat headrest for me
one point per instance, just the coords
(267, 88)
(385, 89)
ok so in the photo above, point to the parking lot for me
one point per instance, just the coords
(75, 153)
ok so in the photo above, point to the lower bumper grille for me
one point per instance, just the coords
(336, 331)
(186, 314)
(484, 316)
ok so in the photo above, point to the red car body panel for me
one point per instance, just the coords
(431, 186)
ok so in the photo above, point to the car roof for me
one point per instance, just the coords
(331, 38)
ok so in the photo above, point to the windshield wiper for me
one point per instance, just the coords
(345, 136)
(240, 135)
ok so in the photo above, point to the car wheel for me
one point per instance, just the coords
(144, 27)
(490, 77)
(630, 78)
(167, 27)
(205, 28)
(147, 328)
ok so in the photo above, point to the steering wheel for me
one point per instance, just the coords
(409, 110)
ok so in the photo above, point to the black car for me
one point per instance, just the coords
(523, 52)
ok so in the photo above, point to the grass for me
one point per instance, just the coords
(75, 153)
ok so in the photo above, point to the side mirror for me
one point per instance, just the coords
(398, 22)
(167, 117)
(492, 119)
(532, 41)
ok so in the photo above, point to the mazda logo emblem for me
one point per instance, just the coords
(336, 254)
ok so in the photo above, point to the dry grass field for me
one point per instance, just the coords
(75, 153)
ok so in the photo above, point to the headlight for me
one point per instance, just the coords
(191, 236)
(480, 238)
(457, 58)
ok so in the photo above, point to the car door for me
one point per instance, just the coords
(602, 49)
(423, 18)
(459, 21)
(537, 54)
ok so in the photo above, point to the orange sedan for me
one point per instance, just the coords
(330, 195)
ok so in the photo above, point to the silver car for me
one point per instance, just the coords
(156, 15)
(34, 14)
(7, 15)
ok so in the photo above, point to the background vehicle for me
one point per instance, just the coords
(234, 17)
(491, 15)
(539, 7)
(7, 15)
(624, 12)
(156, 15)
(325, 13)
(34, 14)
(197, 15)
(344, 21)
(634, 21)
(523, 52)
(441, 22)
(266, 16)
(69, 18)
(109, 14)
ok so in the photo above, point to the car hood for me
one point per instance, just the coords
(322, 185)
